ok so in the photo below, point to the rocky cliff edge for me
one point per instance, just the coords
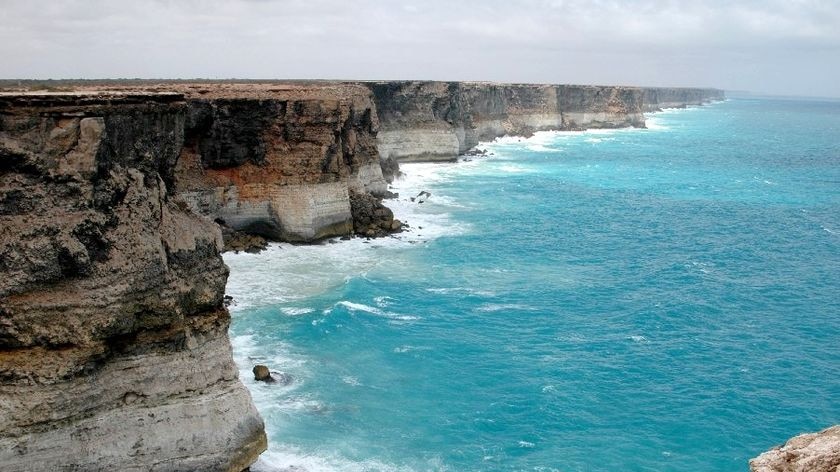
(114, 353)
(813, 452)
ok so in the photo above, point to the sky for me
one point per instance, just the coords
(780, 47)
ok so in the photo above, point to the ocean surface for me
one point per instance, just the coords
(661, 299)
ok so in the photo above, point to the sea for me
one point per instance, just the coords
(659, 299)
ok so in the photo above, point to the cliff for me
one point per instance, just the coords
(440, 120)
(279, 161)
(282, 159)
(114, 353)
(814, 452)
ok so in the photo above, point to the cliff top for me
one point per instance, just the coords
(252, 89)
(214, 90)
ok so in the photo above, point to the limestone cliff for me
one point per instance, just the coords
(439, 120)
(657, 98)
(279, 161)
(815, 452)
(114, 353)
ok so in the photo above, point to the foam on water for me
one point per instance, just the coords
(308, 270)
(289, 458)
(361, 308)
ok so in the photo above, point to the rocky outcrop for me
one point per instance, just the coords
(437, 121)
(114, 353)
(371, 218)
(815, 452)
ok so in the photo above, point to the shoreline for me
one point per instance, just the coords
(366, 255)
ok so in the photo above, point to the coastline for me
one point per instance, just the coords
(316, 269)
(205, 150)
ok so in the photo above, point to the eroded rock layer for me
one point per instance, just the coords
(281, 164)
(114, 353)
(440, 120)
(814, 452)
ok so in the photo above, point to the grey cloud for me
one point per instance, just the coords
(772, 46)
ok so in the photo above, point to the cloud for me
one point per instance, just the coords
(773, 45)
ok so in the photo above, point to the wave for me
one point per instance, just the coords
(286, 458)
(360, 307)
(296, 311)
(655, 124)
(494, 307)
(460, 290)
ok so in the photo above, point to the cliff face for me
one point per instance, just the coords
(654, 99)
(281, 163)
(114, 352)
(439, 120)
(815, 452)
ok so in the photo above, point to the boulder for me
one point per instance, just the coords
(370, 217)
(262, 374)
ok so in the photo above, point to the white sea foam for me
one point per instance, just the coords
(296, 311)
(372, 310)
(512, 169)
(541, 148)
(383, 301)
(494, 307)
(462, 290)
(654, 123)
(350, 380)
(287, 458)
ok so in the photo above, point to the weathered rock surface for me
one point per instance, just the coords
(815, 452)
(437, 121)
(280, 159)
(240, 241)
(282, 163)
(370, 217)
(114, 353)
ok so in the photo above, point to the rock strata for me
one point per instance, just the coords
(437, 121)
(280, 164)
(114, 353)
(815, 452)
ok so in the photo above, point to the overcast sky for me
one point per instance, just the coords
(789, 47)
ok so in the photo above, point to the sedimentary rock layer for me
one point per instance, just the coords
(440, 120)
(281, 164)
(815, 452)
(114, 352)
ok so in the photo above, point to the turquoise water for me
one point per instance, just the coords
(660, 299)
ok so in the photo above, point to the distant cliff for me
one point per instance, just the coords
(114, 352)
(439, 120)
